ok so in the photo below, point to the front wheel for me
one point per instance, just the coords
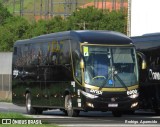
(68, 107)
(157, 111)
(129, 112)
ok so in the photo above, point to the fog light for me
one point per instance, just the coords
(134, 104)
(90, 105)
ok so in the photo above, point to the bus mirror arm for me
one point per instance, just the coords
(144, 64)
(82, 70)
(82, 64)
(142, 56)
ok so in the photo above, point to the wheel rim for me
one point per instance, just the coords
(69, 108)
(69, 103)
(28, 102)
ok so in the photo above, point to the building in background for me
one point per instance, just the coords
(5, 75)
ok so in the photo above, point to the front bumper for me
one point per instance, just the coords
(98, 105)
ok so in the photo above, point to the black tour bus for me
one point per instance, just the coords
(149, 88)
(76, 71)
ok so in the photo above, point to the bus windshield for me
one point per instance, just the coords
(110, 66)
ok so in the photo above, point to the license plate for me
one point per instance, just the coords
(112, 105)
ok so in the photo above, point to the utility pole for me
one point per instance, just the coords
(34, 7)
(83, 25)
(129, 18)
(41, 8)
(14, 6)
(21, 7)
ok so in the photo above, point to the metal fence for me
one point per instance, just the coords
(5, 75)
(48, 8)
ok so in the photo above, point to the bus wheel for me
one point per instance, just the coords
(38, 111)
(129, 112)
(68, 107)
(29, 108)
(117, 113)
(157, 112)
(64, 111)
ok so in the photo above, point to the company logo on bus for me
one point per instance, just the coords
(154, 75)
(96, 92)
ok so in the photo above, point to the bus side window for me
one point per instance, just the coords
(152, 61)
(77, 70)
(158, 61)
(15, 51)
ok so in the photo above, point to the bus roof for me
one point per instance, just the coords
(90, 36)
(147, 41)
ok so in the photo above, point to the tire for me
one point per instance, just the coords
(65, 113)
(129, 112)
(117, 113)
(68, 107)
(38, 111)
(157, 111)
(30, 110)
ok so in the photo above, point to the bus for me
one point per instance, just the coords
(83, 70)
(149, 88)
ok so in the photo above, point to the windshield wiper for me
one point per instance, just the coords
(105, 81)
(108, 77)
(121, 82)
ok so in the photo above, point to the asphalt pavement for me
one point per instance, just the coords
(90, 119)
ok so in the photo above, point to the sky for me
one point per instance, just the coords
(145, 17)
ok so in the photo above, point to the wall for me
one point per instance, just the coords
(5, 75)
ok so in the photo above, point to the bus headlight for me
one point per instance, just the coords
(134, 96)
(89, 95)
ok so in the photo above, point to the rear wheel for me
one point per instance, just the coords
(68, 107)
(38, 110)
(29, 108)
(117, 113)
(64, 111)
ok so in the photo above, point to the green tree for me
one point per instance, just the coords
(36, 29)
(84, 18)
(55, 24)
(14, 29)
(4, 14)
(96, 19)
(115, 21)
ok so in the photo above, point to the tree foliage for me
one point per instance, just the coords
(85, 18)
(4, 14)
(95, 19)
(13, 29)
(55, 24)
(16, 28)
